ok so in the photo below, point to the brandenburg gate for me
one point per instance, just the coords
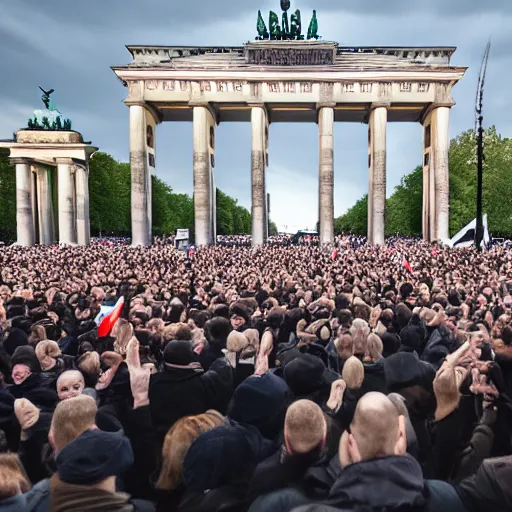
(279, 81)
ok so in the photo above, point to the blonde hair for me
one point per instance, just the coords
(177, 443)
(344, 346)
(359, 331)
(304, 426)
(13, 479)
(72, 417)
(353, 373)
(375, 347)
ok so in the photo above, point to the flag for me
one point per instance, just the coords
(406, 265)
(108, 321)
(435, 253)
(466, 236)
(334, 253)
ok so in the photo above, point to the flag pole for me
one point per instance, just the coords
(479, 133)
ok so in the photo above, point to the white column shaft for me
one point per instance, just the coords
(140, 178)
(326, 174)
(441, 142)
(24, 216)
(67, 228)
(258, 192)
(377, 189)
(45, 207)
(83, 229)
(202, 178)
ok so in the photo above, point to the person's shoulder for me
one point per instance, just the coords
(143, 506)
(38, 497)
(441, 496)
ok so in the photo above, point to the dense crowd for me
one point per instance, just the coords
(278, 378)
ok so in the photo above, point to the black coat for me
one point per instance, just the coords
(178, 392)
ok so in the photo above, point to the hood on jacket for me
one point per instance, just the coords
(386, 483)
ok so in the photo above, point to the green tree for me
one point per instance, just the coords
(272, 229)
(7, 199)
(355, 220)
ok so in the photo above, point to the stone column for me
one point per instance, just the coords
(24, 218)
(202, 121)
(140, 177)
(45, 207)
(67, 227)
(83, 230)
(436, 187)
(441, 146)
(258, 189)
(326, 174)
(377, 185)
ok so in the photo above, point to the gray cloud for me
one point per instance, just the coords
(70, 46)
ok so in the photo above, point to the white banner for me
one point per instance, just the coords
(182, 234)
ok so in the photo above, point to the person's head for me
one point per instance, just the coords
(70, 384)
(177, 442)
(344, 346)
(305, 428)
(71, 418)
(377, 430)
(359, 331)
(24, 363)
(375, 347)
(13, 479)
(353, 373)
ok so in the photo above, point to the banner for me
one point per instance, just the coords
(182, 234)
(466, 236)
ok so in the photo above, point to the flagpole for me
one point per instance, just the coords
(479, 132)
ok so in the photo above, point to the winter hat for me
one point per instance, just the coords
(239, 309)
(307, 374)
(26, 355)
(221, 310)
(404, 370)
(93, 457)
(180, 353)
(16, 338)
(262, 403)
(391, 343)
(47, 352)
(217, 330)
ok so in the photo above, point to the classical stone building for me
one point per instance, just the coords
(52, 186)
(267, 82)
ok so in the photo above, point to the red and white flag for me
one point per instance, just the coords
(108, 321)
(334, 253)
(406, 264)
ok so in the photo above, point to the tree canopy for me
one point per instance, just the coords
(404, 206)
(110, 204)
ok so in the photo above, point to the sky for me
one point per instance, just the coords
(70, 45)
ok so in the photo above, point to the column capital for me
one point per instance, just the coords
(325, 104)
(208, 106)
(66, 161)
(433, 106)
(379, 104)
(141, 103)
(21, 160)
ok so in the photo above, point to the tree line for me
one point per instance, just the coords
(404, 206)
(110, 204)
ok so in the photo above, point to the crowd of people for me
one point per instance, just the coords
(278, 378)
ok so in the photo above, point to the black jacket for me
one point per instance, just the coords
(178, 392)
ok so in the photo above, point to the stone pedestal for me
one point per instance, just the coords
(140, 178)
(24, 212)
(326, 174)
(258, 165)
(66, 196)
(377, 175)
(203, 125)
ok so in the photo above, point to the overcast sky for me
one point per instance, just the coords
(70, 45)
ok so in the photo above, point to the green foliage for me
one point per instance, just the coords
(7, 200)
(404, 207)
(355, 220)
(272, 229)
(110, 203)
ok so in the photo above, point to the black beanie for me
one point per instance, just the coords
(94, 456)
(217, 330)
(26, 355)
(15, 339)
(180, 353)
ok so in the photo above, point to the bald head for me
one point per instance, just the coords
(377, 427)
(304, 427)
